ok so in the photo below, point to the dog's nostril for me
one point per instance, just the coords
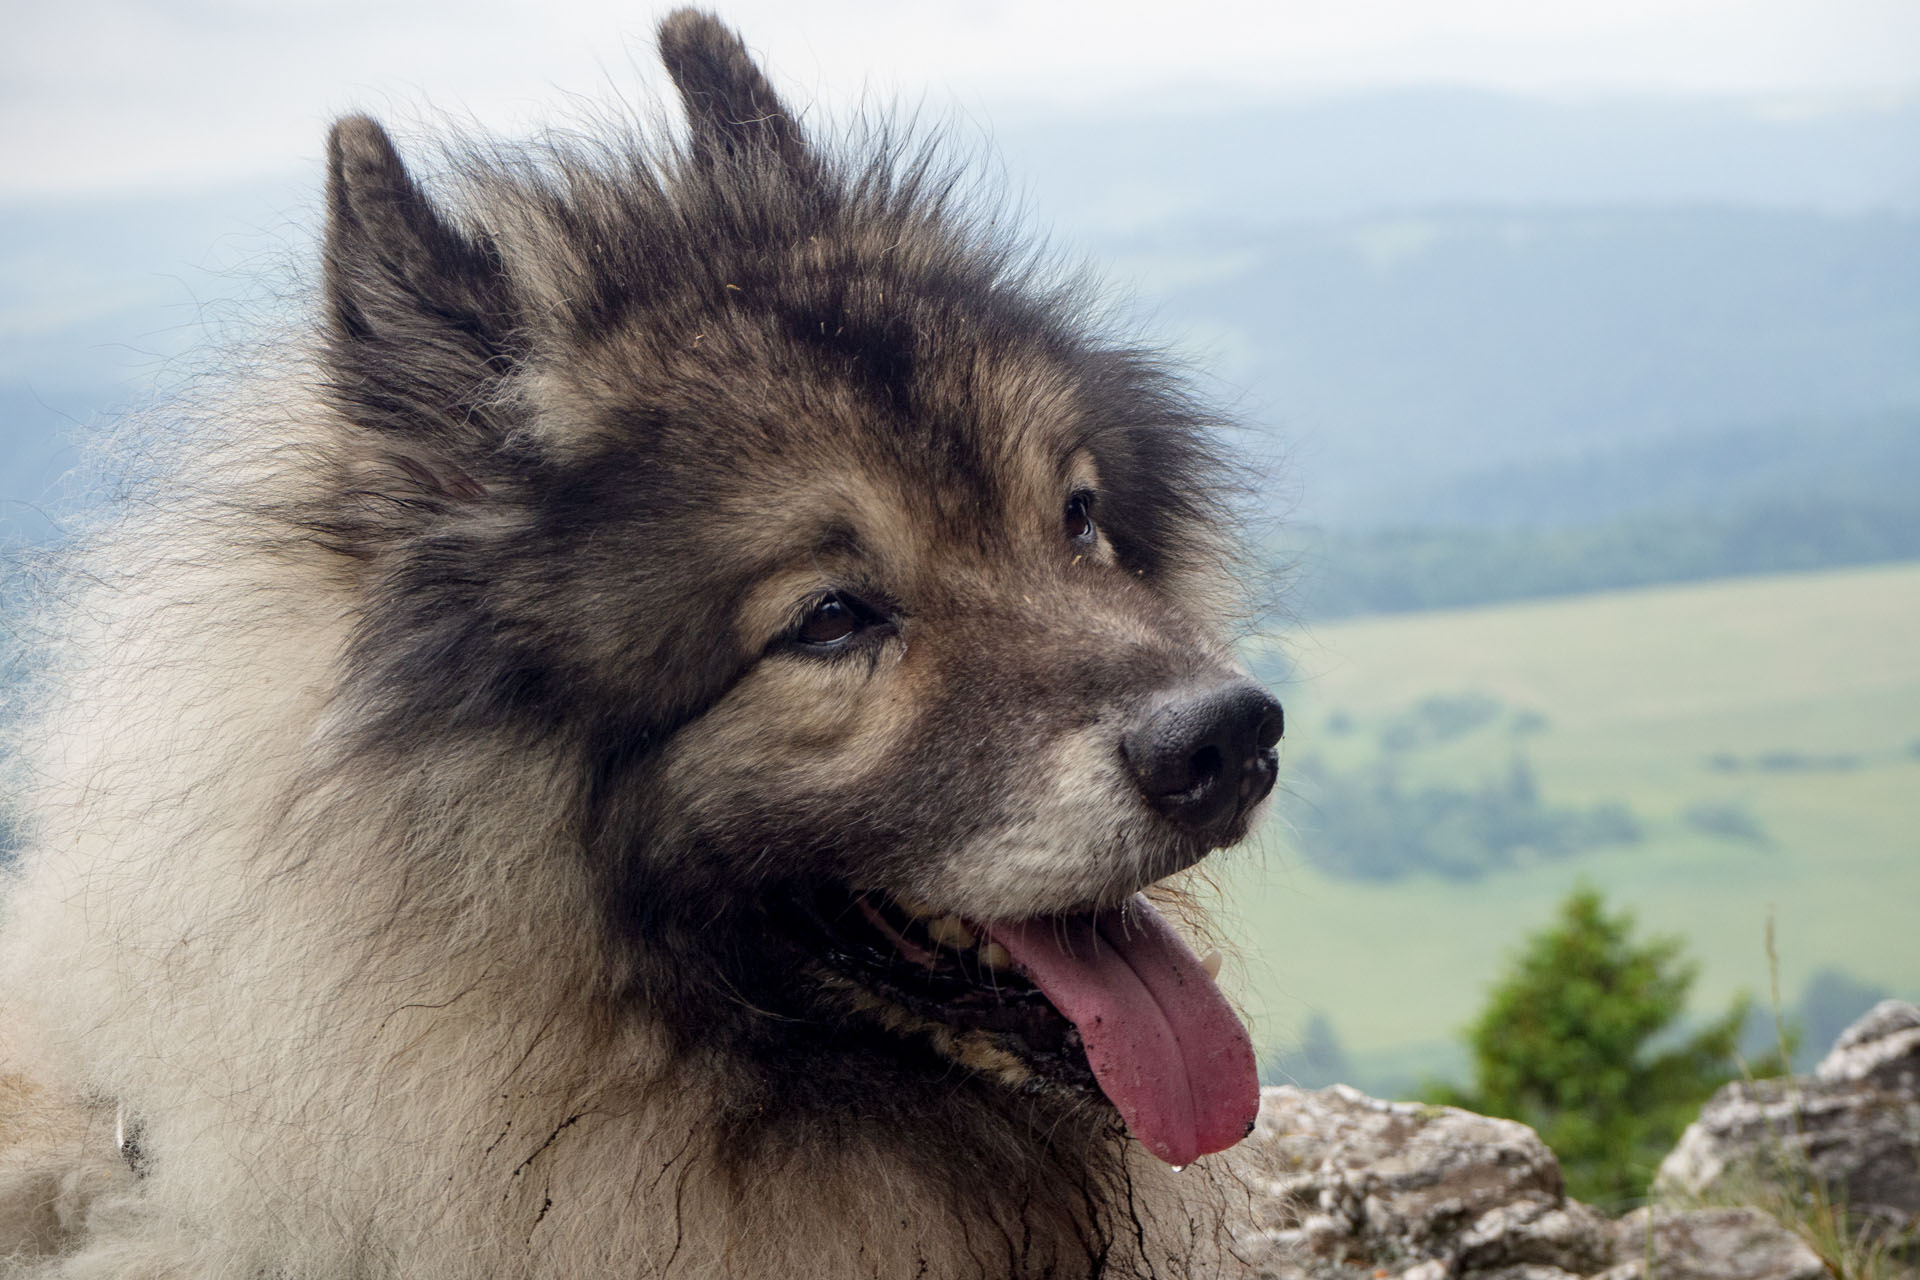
(1273, 726)
(1205, 765)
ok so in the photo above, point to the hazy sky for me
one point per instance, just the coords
(99, 95)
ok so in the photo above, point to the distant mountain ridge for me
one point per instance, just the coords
(1393, 355)
(1402, 292)
(1868, 462)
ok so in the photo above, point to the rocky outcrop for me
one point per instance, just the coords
(1352, 1188)
(1348, 1187)
(1853, 1127)
(1709, 1244)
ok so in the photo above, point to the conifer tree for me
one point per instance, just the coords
(1567, 1044)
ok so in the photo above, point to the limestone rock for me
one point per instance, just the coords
(1882, 1048)
(1709, 1244)
(1854, 1126)
(1348, 1187)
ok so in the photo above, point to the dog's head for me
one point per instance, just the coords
(873, 588)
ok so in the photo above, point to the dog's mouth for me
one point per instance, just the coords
(1106, 1003)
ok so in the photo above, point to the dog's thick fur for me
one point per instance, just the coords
(424, 763)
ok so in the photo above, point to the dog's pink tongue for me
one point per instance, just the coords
(1166, 1047)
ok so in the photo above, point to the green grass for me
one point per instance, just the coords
(1640, 691)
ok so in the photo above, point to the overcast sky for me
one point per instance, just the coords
(99, 95)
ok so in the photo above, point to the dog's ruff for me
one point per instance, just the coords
(461, 780)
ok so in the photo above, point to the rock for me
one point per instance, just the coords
(1882, 1048)
(1709, 1244)
(1348, 1187)
(1853, 1127)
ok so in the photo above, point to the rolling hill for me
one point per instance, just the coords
(1763, 735)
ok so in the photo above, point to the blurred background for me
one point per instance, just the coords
(1580, 344)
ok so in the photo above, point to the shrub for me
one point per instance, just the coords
(1568, 1043)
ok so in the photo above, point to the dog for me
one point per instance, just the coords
(645, 744)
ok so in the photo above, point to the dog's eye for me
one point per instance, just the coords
(1079, 519)
(832, 622)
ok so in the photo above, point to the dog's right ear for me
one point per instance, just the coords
(734, 113)
(420, 317)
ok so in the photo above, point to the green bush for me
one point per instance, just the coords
(1571, 1043)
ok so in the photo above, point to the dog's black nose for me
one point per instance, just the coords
(1205, 757)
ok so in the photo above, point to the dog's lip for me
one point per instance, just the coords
(879, 933)
(952, 931)
(1115, 994)
(944, 930)
(963, 990)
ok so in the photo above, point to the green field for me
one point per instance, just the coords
(1791, 702)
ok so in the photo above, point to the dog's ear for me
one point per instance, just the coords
(734, 113)
(420, 317)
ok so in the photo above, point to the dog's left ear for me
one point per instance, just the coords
(735, 115)
(420, 317)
